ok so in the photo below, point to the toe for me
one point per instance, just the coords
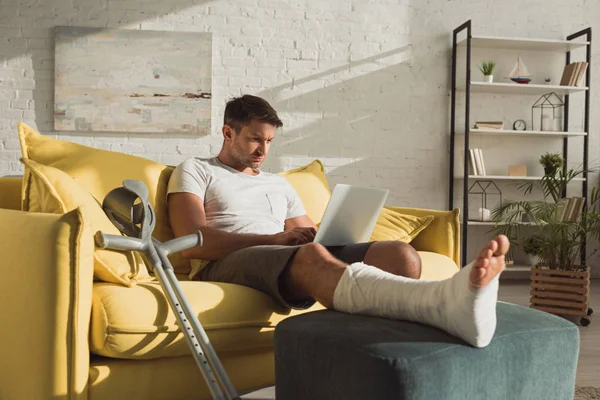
(503, 245)
(486, 252)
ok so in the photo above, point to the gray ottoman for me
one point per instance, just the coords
(332, 355)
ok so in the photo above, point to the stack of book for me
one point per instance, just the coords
(477, 164)
(489, 125)
(573, 74)
(569, 209)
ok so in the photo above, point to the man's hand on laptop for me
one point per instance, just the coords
(295, 236)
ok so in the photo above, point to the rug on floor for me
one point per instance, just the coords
(587, 393)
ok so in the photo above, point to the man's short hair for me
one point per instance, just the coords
(239, 111)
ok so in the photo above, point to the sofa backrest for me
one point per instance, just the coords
(10, 193)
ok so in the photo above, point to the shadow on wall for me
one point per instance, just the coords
(37, 36)
(367, 121)
(376, 121)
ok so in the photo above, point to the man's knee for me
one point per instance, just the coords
(312, 251)
(404, 259)
(411, 259)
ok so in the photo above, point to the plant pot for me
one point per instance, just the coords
(550, 170)
(488, 78)
(561, 292)
(533, 260)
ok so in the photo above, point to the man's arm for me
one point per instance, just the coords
(302, 221)
(186, 215)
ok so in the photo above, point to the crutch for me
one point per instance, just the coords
(129, 210)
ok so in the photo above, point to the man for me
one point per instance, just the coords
(256, 233)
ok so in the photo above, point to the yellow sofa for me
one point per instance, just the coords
(67, 335)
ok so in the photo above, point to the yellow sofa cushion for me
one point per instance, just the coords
(136, 323)
(50, 190)
(311, 185)
(436, 267)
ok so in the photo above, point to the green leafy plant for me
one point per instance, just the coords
(533, 245)
(487, 67)
(551, 162)
(559, 242)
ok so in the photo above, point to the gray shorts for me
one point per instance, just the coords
(260, 267)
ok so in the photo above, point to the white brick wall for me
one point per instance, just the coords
(361, 85)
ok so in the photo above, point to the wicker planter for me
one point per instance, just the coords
(561, 292)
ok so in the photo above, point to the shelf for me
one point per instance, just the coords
(489, 223)
(511, 178)
(505, 43)
(516, 88)
(510, 132)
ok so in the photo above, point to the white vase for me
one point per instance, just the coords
(488, 78)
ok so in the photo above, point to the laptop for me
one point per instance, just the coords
(351, 215)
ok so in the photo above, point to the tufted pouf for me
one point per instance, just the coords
(332, 355)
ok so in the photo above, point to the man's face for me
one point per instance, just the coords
(251, 145)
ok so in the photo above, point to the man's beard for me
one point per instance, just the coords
(246, 161)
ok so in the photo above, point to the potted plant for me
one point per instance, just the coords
(551, 163)
(487, 69)
(532, 246)
(560, 278)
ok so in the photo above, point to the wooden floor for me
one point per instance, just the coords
(514, 291)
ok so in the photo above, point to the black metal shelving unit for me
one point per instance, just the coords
(466, 27)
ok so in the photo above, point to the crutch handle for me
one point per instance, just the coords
(116, 242)
(183, 243)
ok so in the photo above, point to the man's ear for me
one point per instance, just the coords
(228, 132)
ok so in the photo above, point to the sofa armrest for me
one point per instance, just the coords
(442, 236)
(46, 292)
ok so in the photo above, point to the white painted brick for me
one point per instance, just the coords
(246, 81)
(19, 104)
(193, 150)
(12, 114)
(297, 15)
(8, 94)
(237, 61)
(279, 43)
(270, 62)
(11, 144)
(11, 74)
(301, 64)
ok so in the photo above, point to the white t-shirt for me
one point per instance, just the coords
(236, 202)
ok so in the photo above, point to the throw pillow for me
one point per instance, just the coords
(393, 225)
(100, 171)
(50, 190)
(311, 185)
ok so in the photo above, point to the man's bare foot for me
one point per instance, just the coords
(490, 262)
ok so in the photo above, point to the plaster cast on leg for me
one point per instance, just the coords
(453, 305)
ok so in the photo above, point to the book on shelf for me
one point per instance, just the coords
(484, 173)
(473, 163)
(489, 125)
(569, 209)
(574, 74)
(561, 207)
(477, 164)
(581, 74)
